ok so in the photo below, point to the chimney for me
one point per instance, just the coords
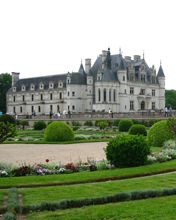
(104, 55)
(137, 57)
(87, 65)
(127, 58)
(15, 78)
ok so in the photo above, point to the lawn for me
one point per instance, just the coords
(153, 209)
(2, 194)
(87, 176)
(50, 194)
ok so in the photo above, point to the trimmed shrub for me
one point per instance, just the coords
(159, 133)
(88, 123)
(102, 124)
(116, 122)
(24, 123)
(127, 151)
(76, 123)
(58, 131)
(39, 125)
(125, 124)
(138, 129)
(7, 119)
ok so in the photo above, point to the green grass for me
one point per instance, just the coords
(38, 195)
(2, 194)
(86, 176)
(149, 209)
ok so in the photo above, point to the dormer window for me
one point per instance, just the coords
(99, 76)
(23, 88)
(68, 80)
(14, 89)
(51, 85)
(41, 86)
(32, 87)
(60, 84)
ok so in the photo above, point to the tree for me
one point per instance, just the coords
(170, 96)
(6, 130)
(5, 84)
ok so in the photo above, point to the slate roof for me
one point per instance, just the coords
(160, 72)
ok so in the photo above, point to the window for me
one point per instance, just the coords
(51, 108)
(123, 78)
(23, 97)
(90, 81)
(41, 97)
(73, 93)
(51, 96)
(104, 95)
(68, 93)
(125, 91)
(14, 98)
(23, 88)
(32, 108)
(60, 84)
(153, 79)
(51, 85)
(131, 105)
(131, 77)
(58, 108)
(21, 109)
(131, 90)
(60, 95)
(142, 78)
(39, 109)
(153, 105)
(32, 87)
(14, 89)
(142, 92)
(14, 110)
(73, 107)
(32, 97)
(41, 86)
(110, 95)
(90, 91)
(114, 95)
(99, 95)
(153, 92)
(68, 80)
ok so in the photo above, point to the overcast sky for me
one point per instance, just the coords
(46, 37)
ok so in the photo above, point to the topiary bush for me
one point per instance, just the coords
(7, 119)
(127, 151)
(58, 131)
(138, 129)
(39, 125)
(125, 124)
(24, 123)
(103, 124)
(159, 133)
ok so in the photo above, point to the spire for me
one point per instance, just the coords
(143, 55)
(81, 68)
(160, 71)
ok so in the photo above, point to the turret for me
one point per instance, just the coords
(15, 78)
(161, 77)
(122, 73)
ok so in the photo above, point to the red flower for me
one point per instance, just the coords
(47, 160)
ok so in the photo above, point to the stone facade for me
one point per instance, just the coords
(114, 82)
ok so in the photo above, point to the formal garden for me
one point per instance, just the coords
(135, 181)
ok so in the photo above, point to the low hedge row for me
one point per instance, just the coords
(120, 197)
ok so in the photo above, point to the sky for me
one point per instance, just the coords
(46, 37)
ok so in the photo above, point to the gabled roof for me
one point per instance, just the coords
(160, 72)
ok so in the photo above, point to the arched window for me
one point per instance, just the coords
(110, 95)
(104, 95)
(114, 95)
(99, 95)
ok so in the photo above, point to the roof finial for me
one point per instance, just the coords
(120, 51)
(160, 63)
(81, 60)
(143, 55)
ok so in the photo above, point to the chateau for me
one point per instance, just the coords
(114, 82)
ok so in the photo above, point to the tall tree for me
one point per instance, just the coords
(5, 84)
(170, 96)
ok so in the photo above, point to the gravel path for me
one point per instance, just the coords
(38, 153)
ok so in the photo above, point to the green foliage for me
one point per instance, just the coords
(76, 123)
(159, 133)
(102, 124)
(170, 96)
(88, 123)
(138, 129)
(7, 119)
(58, 131)
(125, 124)
(39, 125)
(9, 216)
(5, 84)
(127, 151)
(6, 130)
(24, 123)
(172, 125)
(116, 122)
